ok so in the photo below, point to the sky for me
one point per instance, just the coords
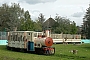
(71, 9)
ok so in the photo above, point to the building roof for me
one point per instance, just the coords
(49, 23)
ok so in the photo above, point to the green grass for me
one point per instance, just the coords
(61, 53)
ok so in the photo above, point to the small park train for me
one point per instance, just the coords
(26, 41)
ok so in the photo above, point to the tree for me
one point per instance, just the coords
(41, 20)
(14, 18)
(86, 23)
(26, 22)
(37, 26)
(3, 16)
(10, 16)
(73, 28)
(64, 25)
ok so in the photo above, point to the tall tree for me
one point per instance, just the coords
(41, 20)
(26, 22)
(86, 23)
(3, 16)
(10, 16)
(73, 28)
(37, 26)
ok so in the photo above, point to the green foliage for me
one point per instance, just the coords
(26, 23)
(3, 16)
(64, 25)
(41, 20)
(37, 26)
(86, 24)
(10, 16)
(14, 17)
(73, 28)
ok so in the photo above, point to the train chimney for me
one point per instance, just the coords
(47, 32)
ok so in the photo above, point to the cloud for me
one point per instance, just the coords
(78, 21)
(8, 2)
(78, 14)
(34, 11)
(34, 14)
(36, 1)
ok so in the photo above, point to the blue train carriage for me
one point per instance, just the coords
(25, 41)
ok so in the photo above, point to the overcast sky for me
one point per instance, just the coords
(72, 9)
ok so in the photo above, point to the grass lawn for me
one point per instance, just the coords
(62, 52)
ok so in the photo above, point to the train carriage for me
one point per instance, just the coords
(26, 41)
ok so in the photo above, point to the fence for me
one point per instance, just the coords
(85, 40)
(3, 38)
(3, 35)
(68, 36)
(3, 42)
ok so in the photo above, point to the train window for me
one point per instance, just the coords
(3, 33)
(35, 34)
(29, 34)
(15, 38)
(11, 37)
(21, 37)
(24, 38)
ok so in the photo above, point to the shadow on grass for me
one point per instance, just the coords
(3, 47)
(86, 47)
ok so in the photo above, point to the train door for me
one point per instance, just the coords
(30, 43)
